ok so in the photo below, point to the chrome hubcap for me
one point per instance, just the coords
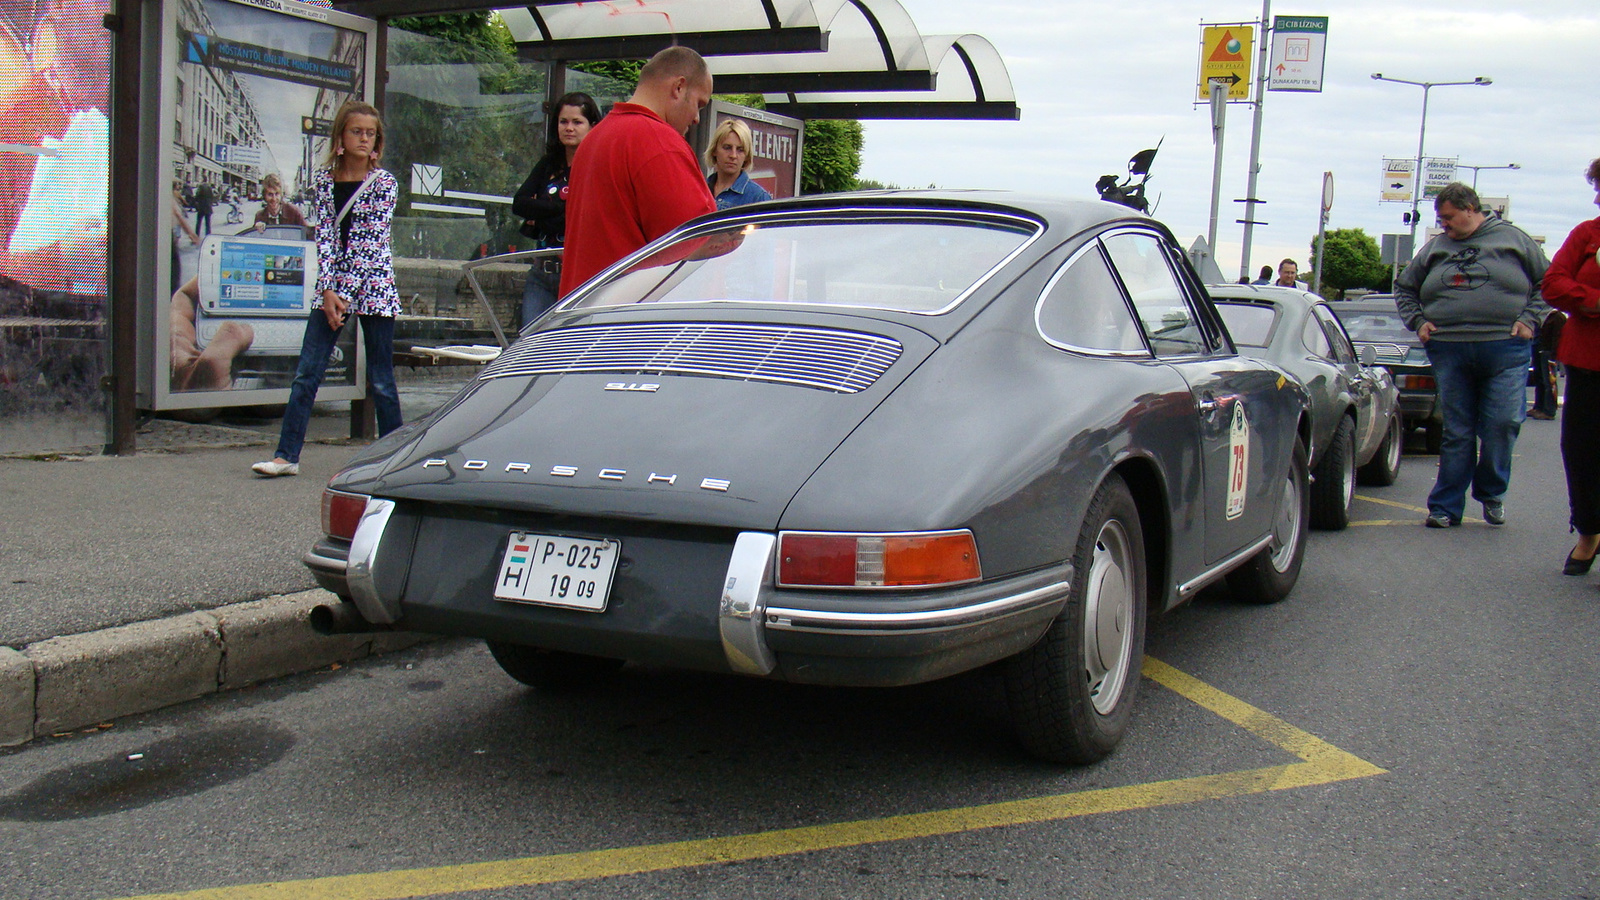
(1286, 533)
(1108, 617)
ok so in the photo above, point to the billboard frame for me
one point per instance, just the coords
(160, 52)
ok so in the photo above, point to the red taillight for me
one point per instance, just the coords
(1416, 382)
(924, 559)
(341, 513)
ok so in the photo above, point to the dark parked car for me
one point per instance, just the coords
(1356, 429)
(1374, 322)
(868, 439)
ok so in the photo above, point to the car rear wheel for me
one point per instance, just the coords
(551, 668)
(1384, 467)
(1270, 575)
(1071, 694)
(1334, 488)
(1433, 436)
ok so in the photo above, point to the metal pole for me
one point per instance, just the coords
(1250, 200)
(1322, 231)
(1416, 176)
(1219, 114)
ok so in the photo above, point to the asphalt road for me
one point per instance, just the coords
(1417, 720)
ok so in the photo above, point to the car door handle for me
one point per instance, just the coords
(1209, 405)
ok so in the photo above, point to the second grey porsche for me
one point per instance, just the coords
(1357, 432)
(871, 439)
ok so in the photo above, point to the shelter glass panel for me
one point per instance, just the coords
(54, 145)
(466, 124)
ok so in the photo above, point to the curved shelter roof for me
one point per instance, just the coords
(858, 59)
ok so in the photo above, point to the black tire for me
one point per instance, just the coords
(1270, 575)
(1333, 489)
(1432, 436)
(1384, 467)
(551, 669)
(1070, 701)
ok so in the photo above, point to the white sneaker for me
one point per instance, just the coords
(272, 468)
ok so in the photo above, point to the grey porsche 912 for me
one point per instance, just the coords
(871, 439)
(1356, 430)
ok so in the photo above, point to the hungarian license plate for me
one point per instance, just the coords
(555, 570)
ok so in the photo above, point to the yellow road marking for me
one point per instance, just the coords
(1322, 763)
(1420, 509)
(1415, 509)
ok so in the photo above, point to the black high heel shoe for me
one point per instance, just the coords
(1577, 566)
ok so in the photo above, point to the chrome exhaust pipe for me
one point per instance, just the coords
(343, 618)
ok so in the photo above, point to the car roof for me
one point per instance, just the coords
(1365, 304)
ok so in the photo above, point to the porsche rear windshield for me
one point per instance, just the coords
(914, 263)
(1368, 324)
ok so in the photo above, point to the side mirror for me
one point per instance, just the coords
(1369, 354)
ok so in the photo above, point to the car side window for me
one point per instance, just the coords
(1343, 350)
(1163, 309)
(1083, 307)
(1315, 339)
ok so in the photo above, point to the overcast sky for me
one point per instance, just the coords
(1099, 81)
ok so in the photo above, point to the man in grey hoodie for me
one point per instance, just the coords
(1472, 296)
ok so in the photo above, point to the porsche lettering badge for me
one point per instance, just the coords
(720, 485)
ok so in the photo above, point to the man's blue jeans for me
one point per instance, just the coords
(1483, 390)
(377, 333)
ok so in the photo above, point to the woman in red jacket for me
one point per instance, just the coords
(1572, 285)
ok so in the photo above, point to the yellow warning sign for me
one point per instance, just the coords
(1225, 52)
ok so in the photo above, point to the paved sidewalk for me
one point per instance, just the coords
(129, 583)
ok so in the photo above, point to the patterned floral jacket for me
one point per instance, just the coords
(361, 271)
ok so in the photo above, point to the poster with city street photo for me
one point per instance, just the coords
(254, 88)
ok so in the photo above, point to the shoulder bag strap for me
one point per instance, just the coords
(343, 210)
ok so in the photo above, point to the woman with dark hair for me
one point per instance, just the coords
(1572, 285)
(542, 199)
(354, 203)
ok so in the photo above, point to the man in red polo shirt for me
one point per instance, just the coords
(635, 178)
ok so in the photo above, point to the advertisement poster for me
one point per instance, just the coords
(54, 139)
(1299, 47)
(255, 87)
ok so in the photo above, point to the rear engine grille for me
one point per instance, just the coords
(825, 359)
(1390, 353)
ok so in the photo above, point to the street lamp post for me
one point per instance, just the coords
(1476, 168)
(1422, 134)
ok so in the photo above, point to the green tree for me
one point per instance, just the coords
(832, 156)
(623, 71)
(1351, 260)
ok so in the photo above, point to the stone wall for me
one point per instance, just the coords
(438, 287)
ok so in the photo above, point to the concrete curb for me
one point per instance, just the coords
(78, 680)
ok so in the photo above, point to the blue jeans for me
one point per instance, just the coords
(1483, 390)
(538, 293)
(377, 333)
